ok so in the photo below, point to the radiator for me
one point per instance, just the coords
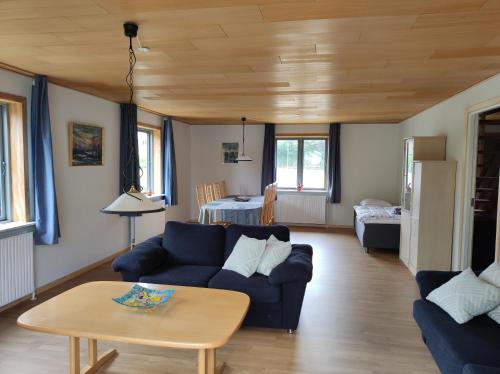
(301, 208)
(16, 267)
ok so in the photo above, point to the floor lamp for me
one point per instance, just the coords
(132, 204)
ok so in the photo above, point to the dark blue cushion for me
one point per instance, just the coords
(480, 369)
(144, 258)
(257, 286)
(191, 244)
(182, 275)
(429, 280)
(296, 268)
(234, 232)
(453, 345)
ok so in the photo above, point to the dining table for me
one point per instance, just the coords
(230, 209)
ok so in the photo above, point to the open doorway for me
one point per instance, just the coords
(485, 201)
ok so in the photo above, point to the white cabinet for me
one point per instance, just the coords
(426, 228)
(404, 242)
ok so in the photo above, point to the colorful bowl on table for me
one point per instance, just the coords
(142, 297)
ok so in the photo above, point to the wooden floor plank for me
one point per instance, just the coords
(356, 319)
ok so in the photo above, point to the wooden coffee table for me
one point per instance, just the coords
(194, 318)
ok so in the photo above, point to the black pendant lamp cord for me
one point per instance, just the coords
(129, 79)
(243, 137)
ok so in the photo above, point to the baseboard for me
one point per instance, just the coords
(59, 281)
(321, 227)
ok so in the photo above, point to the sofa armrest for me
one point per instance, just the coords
(297, 267)
(144, 258)
(430, 280)
(480, 369)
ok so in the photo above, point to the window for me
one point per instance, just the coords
(14, 189)
(145, 141)
(301, 161)
(4, 177)
(149, 143)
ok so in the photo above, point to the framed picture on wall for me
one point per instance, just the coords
(230, 153)
(85, 144)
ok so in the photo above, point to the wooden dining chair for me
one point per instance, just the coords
(223, 189)
(217, 188)
(200, 195)
(209, 192)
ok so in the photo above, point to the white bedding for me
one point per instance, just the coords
(377, 214)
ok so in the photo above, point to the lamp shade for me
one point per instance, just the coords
(132, 203)
(244, 157)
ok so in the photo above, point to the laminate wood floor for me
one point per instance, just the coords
(356, 319)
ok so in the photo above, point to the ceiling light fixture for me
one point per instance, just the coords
(132, 203)
(243, 156)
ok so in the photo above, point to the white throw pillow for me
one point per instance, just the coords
(495, 314)
(374, 202)
(246, 256)
(276, 252)
(465, 296)
(492, 276)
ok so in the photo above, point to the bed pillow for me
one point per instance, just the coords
(492, 276)
(374, 202)
(276, 252)
(245, 256)
(465, 296)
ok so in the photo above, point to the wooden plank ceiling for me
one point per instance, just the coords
(303, 61)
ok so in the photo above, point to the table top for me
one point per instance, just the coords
(255, 202)
(193, 318)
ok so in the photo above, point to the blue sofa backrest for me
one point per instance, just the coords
(191, 244)
(233, 233)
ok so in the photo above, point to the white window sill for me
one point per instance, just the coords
(15, 228)
(156, 197)
(303, 192)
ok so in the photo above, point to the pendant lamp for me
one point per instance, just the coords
(243, 156)
(132, 203)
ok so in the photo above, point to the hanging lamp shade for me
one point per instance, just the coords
(243, 156)
(132, 203)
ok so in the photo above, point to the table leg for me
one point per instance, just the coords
(207, 362)
(92, 352)
(74, 355)
(202, 361)
(96, 362)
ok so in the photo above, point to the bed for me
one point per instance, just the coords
(377, 225)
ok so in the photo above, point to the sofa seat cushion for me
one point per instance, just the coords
(256, 286)
(477, 341)
(182, 275)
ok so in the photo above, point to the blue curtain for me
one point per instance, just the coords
(169, 168)
(45, 202)
(268, 157)
(129, 154)
(334, 180)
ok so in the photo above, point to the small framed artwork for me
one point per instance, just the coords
(230, 153)
(85, 144)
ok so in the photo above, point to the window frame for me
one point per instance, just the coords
(150, 158)
(4, 164)
(19, 189)
(300, 159)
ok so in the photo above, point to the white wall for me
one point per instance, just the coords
(206, 159)
(449, 118)
(87, 234)
(371, 159)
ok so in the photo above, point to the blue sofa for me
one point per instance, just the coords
(193, 255)
(470, 348)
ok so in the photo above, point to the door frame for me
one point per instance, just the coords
(469, 179)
